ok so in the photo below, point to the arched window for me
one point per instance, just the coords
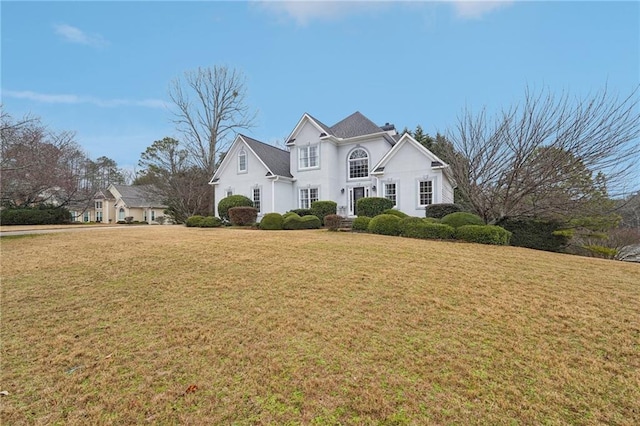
(358, 164)
(242, 161)
(121, 214)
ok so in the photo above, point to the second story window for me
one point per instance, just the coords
(358, 164)
(242, 161)
(308, 157)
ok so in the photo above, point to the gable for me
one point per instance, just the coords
(307, 130)
(270, 160)
(407, 148)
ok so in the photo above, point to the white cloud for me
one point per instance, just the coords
(476, 9)
(305, 11)
(75, 99)
(76, 35)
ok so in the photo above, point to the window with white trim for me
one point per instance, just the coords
(229, 192)
(86, 217)
(98, 204)
(257, 197)
(98, 216)
(390, 192)
(425, 192)
(153, 215)
(308, 157)
(242, 161)
(358, 164)
(308, 196)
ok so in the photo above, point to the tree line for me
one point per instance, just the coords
(40, 166)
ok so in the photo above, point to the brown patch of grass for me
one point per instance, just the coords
(219, 326)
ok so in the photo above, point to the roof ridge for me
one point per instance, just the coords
(263, 143)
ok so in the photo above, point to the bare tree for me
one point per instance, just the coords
(210, 108)
(550, 156)
(40, 166)
(182, 186)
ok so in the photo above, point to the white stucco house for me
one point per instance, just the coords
(352, 159)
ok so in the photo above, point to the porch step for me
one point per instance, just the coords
(346, 224)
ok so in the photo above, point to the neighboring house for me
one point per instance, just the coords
(352, 159)
(117, 202)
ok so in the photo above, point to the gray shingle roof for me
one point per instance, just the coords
(326, 128)
(354, 125)
(139, 196)
(276, 159)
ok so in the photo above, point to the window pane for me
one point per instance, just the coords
(358, 164)
(256, 199)
(313, 156)
(390, 192)
(426, 193)
(242, 161)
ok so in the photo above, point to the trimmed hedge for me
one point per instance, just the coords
(360, 223)
(302, 212)
(441, 210)
(459, 219)
(194, 221)
(412, 228)
(198, 221)
(431, 220)
(304, 222)
(211, 222)
(373, 206)
(385, 224)
(483, 234)
(289, 213)
(43, 215)
(332, 221)
(323, 208)
(536, 234)
(243, 215)
(271, 222)
(395, 212)
(232, 201)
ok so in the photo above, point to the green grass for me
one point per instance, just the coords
(174, 325)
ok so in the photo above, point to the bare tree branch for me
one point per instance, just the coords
(549, 155)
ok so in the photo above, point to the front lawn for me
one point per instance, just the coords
(175, 325)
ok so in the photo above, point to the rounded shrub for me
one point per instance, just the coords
(361, 223)
(431, 220)
(302, 212)
(395, 212)
(332, 221)
(232, 201)
(459, 219)
(441, 210)
(289, 213)
(483, 234)
(420, 228)
(210, 222)
(385, 224)
(271, 222)
(194, 221)
(323, 208)
(243, 215)
(373, 206)
(304, 222)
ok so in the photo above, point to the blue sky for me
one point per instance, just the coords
(102, 69)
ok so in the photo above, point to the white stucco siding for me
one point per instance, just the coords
(231, 179)
(406, 169)
(447, 190)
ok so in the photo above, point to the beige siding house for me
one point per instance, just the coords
(116, 203)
